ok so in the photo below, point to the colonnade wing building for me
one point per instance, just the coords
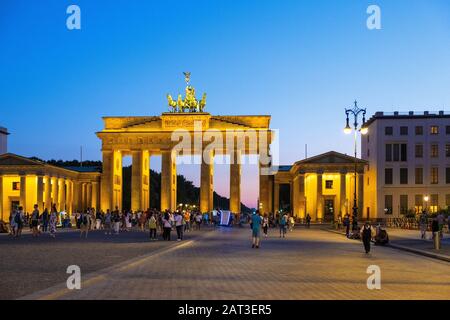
(27, 182)
(321, 186)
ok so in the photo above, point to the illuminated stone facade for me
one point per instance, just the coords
(27, 182)
(143, 137)
(322, 186)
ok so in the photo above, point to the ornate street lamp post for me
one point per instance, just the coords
(363, 129)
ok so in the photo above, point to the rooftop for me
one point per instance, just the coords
(408, 115)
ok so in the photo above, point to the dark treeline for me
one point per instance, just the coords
(187, 193)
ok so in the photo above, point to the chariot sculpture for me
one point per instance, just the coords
(190, 102)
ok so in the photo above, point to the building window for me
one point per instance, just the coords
(388, 204)
(447, 175)
(16, 186)
(403, 152)
(419, 176)
(403, 175)
(388, 131)
(447, 129)
(447, 150)
(388, 152)
(396, 151)
(419, 151)
(403, 204)
(434, 203)
(419, 130)
(329, 184)
(434, 177)
(434, 153)
(418, 203)
(434, 130)
(403, 131)
(388, 179)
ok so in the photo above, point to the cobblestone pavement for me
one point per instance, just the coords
(30, 264)
(308, 264)
(412, 239)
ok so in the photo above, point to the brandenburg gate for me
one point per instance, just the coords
(186, 130)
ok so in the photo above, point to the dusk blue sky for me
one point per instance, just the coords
(302, 62)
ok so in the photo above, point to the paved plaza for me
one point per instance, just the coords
(220, 264)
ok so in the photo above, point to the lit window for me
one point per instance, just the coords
(16, 186)
(434, 203)
(434, 130)
(434, 153)
(434, 177)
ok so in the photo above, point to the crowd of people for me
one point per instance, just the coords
(155, 222)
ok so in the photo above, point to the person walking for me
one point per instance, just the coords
(152, 226)
(282, 224)
(179, 225)
(265, 224)
(12, 223)
(366, 235)
(45, 218)
(116, 220)
(441, 221)
(98, 220)
(107, 222)
(435, 227)
(35, 221)
(347, 225)
(308, 220)
(52, 222)
(291, 223)
(167, 226)
(256, 229)
(85, 224)
(198, 220)
(423, 224)
(19, 220)
(187, 221)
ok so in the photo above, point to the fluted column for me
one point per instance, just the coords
(83, 196)
(76, 200)
(207, 182)
(2, 213)
(276, 196)
(62, 194)
(319, 202)
(235, 182)
(360, 195)
(343, 193)
(301, 196)
(168, 181)
(94, 195)
(48, 193)
(139, 180)
(89, 195)
(40, 192)
(263, 189)
(69, 196)
(55, 189)
(106, 188)
(23, 192)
